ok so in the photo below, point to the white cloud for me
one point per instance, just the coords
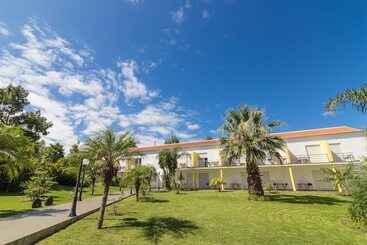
(328, 114)
(178, 16)
(79, 99)
(205, 14)
(193, 126)
(3, 30)
(132, 87)
(188, 4)
(135, 2)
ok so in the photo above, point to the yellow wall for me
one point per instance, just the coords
(292, 179)
(129, 163)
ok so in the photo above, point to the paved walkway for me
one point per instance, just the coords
(42, 221)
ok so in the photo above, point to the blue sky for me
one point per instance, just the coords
(177, 66)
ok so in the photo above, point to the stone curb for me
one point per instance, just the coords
(42, 234)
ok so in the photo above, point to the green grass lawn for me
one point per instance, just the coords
(208, 217)
(15, 202)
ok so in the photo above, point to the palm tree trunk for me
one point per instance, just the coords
(254, 180)
(103, 205)
(93, 184)
(137, 188)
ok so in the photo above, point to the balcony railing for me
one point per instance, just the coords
(297, 159)
(343, 157)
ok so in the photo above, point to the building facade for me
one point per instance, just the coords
(300, 168)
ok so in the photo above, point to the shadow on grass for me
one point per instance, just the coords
(305, 199)
(154, 228)
(152, 200)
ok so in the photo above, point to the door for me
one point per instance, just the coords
(204, 181)
(244, 180)
(319, 185)
(189, 181)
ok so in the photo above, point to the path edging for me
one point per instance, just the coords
(42, 234)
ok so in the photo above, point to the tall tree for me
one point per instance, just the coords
(109, 148)
(167, 161)
(53, 152)
(247, 135)
(172, 140)
(13, 100)
(356, 97)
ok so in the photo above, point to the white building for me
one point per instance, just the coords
(306, 153)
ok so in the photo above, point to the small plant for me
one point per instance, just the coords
(38, 185)
(338, 178)
(217, 183)
(269, 186)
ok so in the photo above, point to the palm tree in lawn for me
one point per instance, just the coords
(93, 171)
(356, 97)
(109, 148)
(138, 176)
(151, 176)
(167, 161)
(246, 134)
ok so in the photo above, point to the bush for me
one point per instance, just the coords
(358, 191)
(67, 176)
(39, 184)
(116, 181)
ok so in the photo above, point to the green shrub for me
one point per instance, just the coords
(38, 185)
(358, 192)
(116, 181)
(67, 176)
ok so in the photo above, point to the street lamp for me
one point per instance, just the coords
(85, 164)
(75, 199)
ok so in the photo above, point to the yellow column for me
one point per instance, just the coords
(221, 175)
(326, 149)
(194, 159)
(340, 189)
(129, 163)
(292, 179)
(221, 159)
(287, 155)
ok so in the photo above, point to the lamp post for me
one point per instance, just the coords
(85, 164)
(75, 199)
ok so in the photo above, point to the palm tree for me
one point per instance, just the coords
(167, 161)
(247, 135)
(152, 176)
(16, 151)
(337, 177)
(93, 170)
(108, 147)
(357, 97)
(138, 176)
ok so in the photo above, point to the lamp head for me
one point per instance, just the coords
(85, 162)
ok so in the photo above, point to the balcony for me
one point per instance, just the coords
(296, 159)
(321, 158)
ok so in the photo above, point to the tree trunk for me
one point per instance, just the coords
(137, 188)
(254, 180)
(93, 183)
(103, 206)
(167, 181)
